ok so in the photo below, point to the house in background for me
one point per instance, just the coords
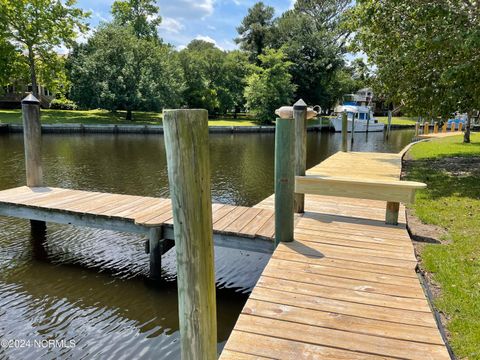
(12, 95)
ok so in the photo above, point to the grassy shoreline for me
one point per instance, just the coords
(452, 201)
(103, 117)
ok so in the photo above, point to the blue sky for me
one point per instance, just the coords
(185, 20)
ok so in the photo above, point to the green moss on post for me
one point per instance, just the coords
(284, 179)
(186, 143)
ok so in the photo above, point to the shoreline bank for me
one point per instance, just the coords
(155, 129)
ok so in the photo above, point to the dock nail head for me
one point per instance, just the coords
(30, 99)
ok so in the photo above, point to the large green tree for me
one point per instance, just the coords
(269, 86)
(38, 27)
(313, 39)
(142, 15)
(426, 53)
(255, 31)
(214, 79)
(115, 70)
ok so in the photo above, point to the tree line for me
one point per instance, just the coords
(125, 64)
(423, 55)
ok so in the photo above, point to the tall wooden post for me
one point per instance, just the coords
(417, 128)
(435, 127)
(344, 131)
(426, 128)
(389, 123)
(353, 129)
(452, 126)
(300, 117)
(32, 139)
(188, 163)
(444, 127)
(460, 126)
(284, 179)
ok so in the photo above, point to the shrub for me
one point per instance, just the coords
(63, 104)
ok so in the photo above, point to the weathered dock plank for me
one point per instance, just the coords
(134, 213)
(345, 288)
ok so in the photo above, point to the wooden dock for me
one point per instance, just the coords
(345, 288)
(234, 226)
(341, 284)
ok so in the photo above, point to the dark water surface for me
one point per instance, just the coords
(92, 289)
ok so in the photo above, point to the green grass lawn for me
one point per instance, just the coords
(108, 117)
(83, 117)
(452, 201)
(398, 120)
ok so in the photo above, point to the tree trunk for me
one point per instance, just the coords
(466, 136)
(33, 74)
(129, 115)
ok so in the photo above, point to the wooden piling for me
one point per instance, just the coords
(444, 127)
(155, 243)
(284, 179)
(460, 126)
(452, 126)
(344, 131)
(389, 123)
(353, 129)
(32, 139)
(435, 127)
(426, 128)
(391, 216)
(186, 143)
(417, 128)
(300, 117)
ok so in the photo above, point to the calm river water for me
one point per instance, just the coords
(92, 287)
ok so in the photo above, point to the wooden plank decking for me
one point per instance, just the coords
(135, 214)
(345, 288)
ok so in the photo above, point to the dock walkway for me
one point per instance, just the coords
(345, 288)
(233, 226)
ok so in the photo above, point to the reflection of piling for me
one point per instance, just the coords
(300, 116)
(344, 131)
(284, 179)
(186, 143)
(32, 138)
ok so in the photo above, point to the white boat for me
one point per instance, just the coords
(361, 115)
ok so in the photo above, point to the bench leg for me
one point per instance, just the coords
(391, 216)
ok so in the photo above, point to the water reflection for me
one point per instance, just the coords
(90, 286)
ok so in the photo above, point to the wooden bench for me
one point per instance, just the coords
(373, 176)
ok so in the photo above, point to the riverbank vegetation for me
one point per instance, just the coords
(452, 199)
(125, 65)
